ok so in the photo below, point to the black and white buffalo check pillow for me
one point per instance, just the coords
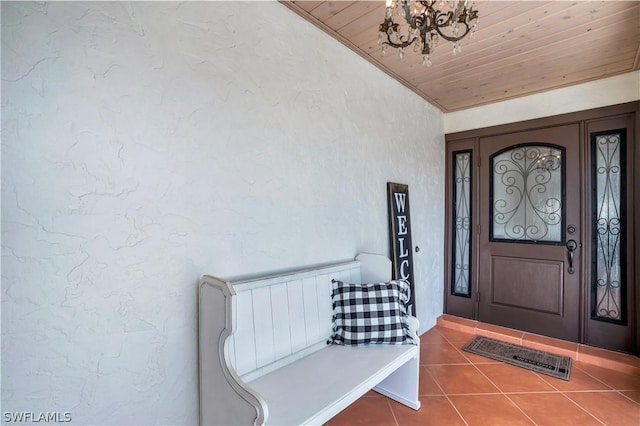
(370, 313)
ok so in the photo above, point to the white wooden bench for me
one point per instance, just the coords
(263, 356)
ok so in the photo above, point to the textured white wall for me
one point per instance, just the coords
(147, 143)
(594, 94)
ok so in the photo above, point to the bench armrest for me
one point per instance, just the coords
(224, 398)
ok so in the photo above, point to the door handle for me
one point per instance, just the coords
(571, 247)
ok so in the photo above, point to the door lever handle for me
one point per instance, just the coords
(571, 247)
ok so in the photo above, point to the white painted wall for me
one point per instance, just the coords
(609, 91)
(147, 143)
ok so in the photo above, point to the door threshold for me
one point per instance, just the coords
(612, 360)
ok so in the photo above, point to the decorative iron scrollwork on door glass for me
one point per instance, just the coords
(461, 257)
(527, 194)
(608, 293)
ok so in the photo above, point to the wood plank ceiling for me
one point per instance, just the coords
(520, 48)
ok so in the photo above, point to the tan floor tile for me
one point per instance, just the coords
(611, 408)
(552, 409)
(366, 411)
(432, 336)
(609, 359)
(441, 353)
(549, 344)
(453, 321)
(489, 410)
(427, 385)
(435, 410)
(455, 335)
(578, 381)
(615, 379)
(633, 395)
(461, 379)
(509, 378)
(491, 330)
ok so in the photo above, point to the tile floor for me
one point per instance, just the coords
(459, 388)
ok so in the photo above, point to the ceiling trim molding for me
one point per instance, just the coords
(594, 94)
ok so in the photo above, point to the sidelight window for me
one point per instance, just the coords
(608, 226)
(461, 263)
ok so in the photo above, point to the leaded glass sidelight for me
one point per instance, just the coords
(461, 224)
(608, 205)
(527, 194)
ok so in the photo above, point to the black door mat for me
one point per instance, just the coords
(539, 361)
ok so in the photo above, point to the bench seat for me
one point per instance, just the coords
(324, 383)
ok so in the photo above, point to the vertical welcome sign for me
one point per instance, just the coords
(400, 236)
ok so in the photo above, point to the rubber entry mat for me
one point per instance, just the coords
(532, 359)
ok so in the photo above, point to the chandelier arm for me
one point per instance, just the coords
(388, 27)
(442, 19)
(401, 44)
(449, 38)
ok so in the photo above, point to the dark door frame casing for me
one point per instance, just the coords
(590, 121)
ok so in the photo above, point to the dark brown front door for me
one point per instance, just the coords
(529, 270)
(542, 226)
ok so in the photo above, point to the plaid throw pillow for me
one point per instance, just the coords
(370, 313)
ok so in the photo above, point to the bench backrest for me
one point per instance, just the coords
(281, 318)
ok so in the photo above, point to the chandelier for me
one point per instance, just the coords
(424, 23)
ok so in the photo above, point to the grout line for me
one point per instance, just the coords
(395, 419)
(549, 382)
(447, 396)
(584, 409)
(594, 377)
(628, 397)
(520, 408)
(592, 391)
